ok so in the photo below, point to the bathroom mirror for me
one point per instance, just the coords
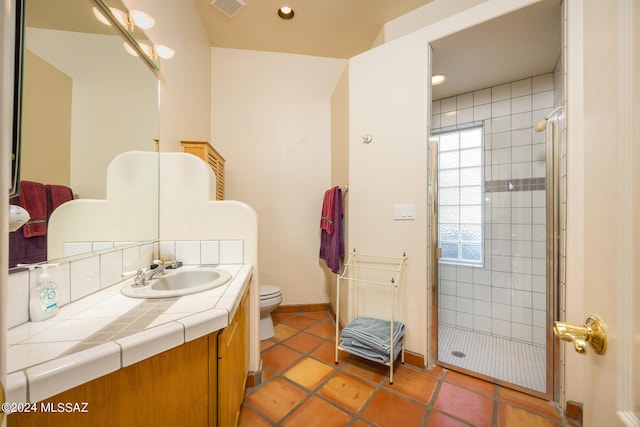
(85, 101)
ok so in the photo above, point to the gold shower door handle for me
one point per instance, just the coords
(591, 332)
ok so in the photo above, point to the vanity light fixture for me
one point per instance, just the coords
(135, 18)
(438, 78)
(155, 52)
(285, 12)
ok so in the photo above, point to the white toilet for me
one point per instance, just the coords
(270, 299)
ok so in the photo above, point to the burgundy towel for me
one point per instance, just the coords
(33, 197)
(58, 194)
(332, 245)
(327, 216)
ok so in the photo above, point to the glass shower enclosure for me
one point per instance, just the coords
(494, 186)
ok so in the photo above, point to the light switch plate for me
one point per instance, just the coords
(404, 211)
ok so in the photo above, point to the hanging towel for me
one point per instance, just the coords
(23, 250)
(33, 197)
(332, 244)
(327, 217)
(58, 194)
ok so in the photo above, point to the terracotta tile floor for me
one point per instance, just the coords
(302, 386)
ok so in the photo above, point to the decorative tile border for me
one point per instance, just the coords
(521, 184)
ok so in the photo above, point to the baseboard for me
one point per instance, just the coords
(573, 412)
(254, 378)
(414, 359)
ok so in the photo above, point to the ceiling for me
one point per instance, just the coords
(518, 45)
(515, 46)
(521, 44)
(332, 28)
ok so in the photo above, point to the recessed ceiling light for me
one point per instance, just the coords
(285, 12)
(438, 78)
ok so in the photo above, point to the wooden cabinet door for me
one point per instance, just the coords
(230, 366)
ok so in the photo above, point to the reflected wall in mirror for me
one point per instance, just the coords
(85, 101)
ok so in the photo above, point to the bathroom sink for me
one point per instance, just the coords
(183, 281)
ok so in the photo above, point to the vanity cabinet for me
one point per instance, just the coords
(200, 383)
(233, 365)
(210, 155)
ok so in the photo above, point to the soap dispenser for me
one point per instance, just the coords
(43, 298)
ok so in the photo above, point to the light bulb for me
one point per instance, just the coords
(148, 50)
(129, 49)
(141, 19)
(121, 17)
(163, 51)
(437, 79)
(100, 17)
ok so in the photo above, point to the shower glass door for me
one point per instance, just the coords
(492, 263)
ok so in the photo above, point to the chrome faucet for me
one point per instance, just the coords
(143, 277)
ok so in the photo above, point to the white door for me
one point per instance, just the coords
(603, 211)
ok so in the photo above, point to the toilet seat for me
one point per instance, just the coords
(269, 291)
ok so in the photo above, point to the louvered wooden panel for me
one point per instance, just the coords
(210, 155)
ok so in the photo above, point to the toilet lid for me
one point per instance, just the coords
(268, 291)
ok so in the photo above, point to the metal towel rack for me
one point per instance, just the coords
(352, 272)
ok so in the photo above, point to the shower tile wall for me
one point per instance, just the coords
(507, 295)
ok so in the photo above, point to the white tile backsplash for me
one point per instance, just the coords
(85, 277)
(81, 277)
(210, 252)
(18, 296)
(132, 259)
(188, 252)
(110, 268)
(231, 252)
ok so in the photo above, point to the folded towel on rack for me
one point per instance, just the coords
(374, 333)
(332, 244)
(33, 197)
(58, 194)
(358, 349)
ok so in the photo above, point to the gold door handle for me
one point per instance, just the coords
(592, 332)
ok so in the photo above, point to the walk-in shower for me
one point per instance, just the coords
(496, 222)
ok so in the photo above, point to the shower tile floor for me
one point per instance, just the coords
(511, 361)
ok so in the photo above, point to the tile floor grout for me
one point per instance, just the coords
(285, 332)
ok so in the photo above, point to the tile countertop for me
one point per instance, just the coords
(106, 331)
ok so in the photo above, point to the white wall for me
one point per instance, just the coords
(271, 122)
(186, 78)
(340, 169)
(189, 213)
(426, 15)
(389, 100)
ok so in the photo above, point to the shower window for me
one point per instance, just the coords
(460, 196)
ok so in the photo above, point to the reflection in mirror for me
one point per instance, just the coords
(85, 101)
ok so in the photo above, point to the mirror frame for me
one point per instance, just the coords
(17, 100)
